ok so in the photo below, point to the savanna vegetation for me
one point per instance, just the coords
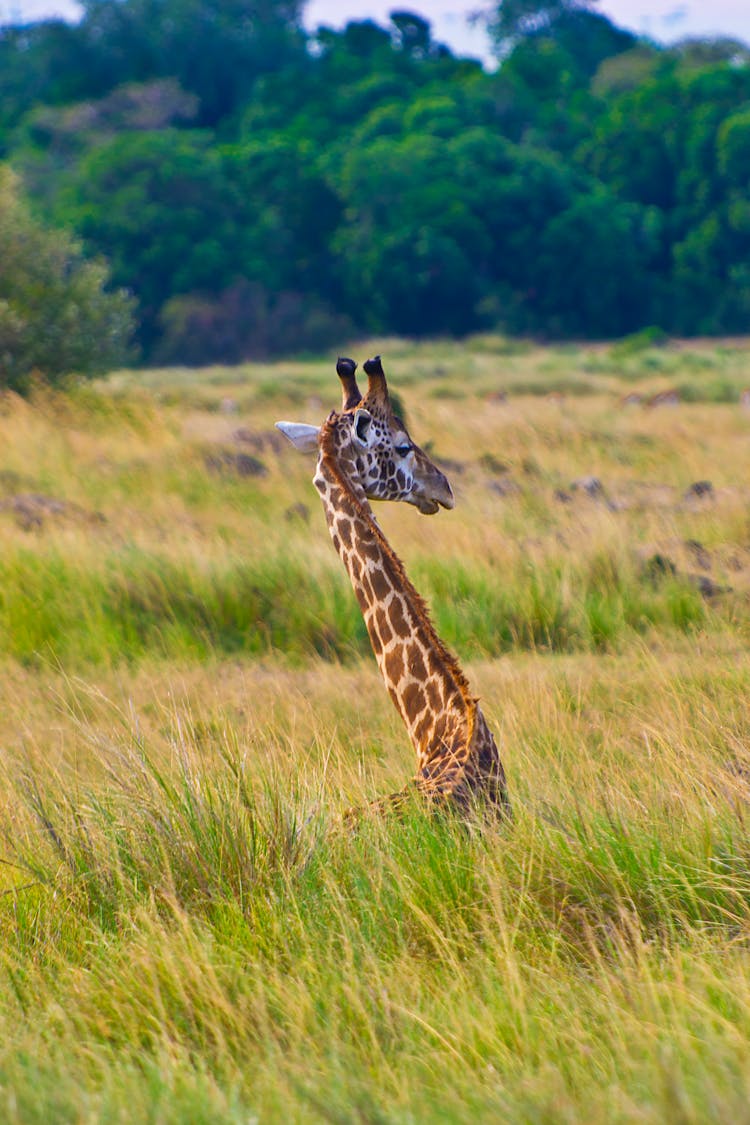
(188, 703)
(56, 315)
(262, 190)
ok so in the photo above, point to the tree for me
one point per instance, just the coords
(733, 149)
(412, 34)
(446, 234)
(215, 49)
(595, 263)
(56, 315)
(513, 20)
(406, 247)
(253, 186)
(637, 144)
(181, 217)
(162, 206)
(44, 63)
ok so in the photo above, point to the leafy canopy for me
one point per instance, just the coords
(55, 313)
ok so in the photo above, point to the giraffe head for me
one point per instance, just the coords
(371, 444)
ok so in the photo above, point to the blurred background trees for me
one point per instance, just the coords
(260, 190)
(55, 315)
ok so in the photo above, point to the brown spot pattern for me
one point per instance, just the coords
(434, 698)
(380, 585)
(394, 665)
(413, 699)
(386, 633)
(345, 531)
(416, 663)
(401, 626)
(367, 587)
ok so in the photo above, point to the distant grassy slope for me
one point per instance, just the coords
(167, 542)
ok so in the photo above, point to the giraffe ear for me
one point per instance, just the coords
(361, 428)
(302, 436)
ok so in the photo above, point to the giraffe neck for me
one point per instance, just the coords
(425, 681)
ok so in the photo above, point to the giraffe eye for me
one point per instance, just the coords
(402, 450)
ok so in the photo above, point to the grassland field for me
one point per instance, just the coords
(188, 702)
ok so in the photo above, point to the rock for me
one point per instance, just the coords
(492, 464)
(248, 466)
(592, 486)
(664, 398)
(260, 441)
(738, 769)
(228, 463)
(503, 487)
(228, 406)
(706, 586)
(11, 481)
(657, 567)
(699, 489)
(298, 511)
(32, 509)
(562, 496)
(701, 557)
(450, 466)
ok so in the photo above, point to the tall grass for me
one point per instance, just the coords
(131, 604)
(193, 934)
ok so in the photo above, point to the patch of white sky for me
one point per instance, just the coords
(664, 20)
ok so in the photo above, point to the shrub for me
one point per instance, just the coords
(56, 316)
(245, 322)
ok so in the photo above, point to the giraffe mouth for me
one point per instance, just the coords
(437, 494)
(429, 505)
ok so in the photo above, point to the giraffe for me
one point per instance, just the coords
(365, 453)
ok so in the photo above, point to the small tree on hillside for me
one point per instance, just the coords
(55, 314)
(511, 20)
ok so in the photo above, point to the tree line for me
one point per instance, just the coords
(259, 190)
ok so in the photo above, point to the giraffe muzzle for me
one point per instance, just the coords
(438, 495)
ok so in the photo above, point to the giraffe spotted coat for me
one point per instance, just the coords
(365, 453)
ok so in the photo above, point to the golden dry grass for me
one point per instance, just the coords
(184, 932)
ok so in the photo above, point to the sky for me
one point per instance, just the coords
(663, 19)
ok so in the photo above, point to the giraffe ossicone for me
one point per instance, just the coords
(366, 453)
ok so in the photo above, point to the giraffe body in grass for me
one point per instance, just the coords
(365, 453)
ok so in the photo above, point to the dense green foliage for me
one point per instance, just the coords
(55, 315)
(261, 190)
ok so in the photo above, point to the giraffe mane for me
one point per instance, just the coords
(450, 662)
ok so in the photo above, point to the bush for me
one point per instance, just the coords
(245, 322)
(56, 316)
(641, 341)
